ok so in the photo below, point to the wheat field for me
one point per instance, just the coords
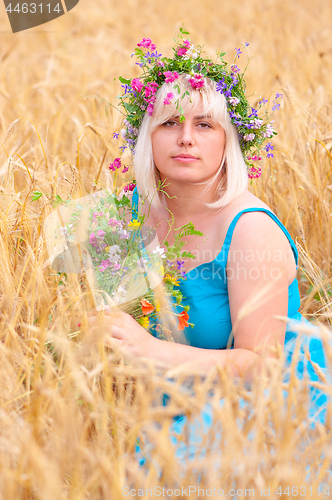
(71, 409)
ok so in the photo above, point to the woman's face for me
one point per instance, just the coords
(188, 151)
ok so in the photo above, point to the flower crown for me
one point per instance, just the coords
(139, 95)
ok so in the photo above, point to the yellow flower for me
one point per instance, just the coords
(171, 279)
(107, 249)
(134, 224)
(157, 304)
(144, 322)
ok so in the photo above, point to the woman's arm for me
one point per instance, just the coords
(258, 290)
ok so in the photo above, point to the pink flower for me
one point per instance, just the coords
(182, 51)
(95, 215)
(169, 96)
(92, 239)
(254, 173)
(147, 44)
(137, 84)
(115, 164)
(129, 187)
(170, 77)
(150, 109)
(116, 266)
(100, 233)
(114, 222)
(125, 169)
(149, 91)
(104, 265)
(196, 81)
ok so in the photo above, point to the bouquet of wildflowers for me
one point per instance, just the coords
(121, 256)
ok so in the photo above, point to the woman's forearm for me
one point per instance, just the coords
(240, 362)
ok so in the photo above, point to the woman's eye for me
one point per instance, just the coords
(170, 123)
(205, 125)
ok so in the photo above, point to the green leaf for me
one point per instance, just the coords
(124, 80)
(177, 87)
(184, 32)
(57, 201)
(36, 195)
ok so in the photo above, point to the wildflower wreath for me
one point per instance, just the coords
(139, 95)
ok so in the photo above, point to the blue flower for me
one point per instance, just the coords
(228, 93)
(263, 101)
(246, 44)
(140, 64)
(123, 148)
(279, 95)
(115, 135)
(275, 106)
(270, 155)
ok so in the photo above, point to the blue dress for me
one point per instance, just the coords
(205, 290)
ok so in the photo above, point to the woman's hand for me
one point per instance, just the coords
(123, 331)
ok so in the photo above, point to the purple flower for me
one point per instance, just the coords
(279, 95)
(123, 148)
(253, 112)
(270, 155)
(268, 147)
(263, 101)
(127, 89)
(246, 44)
(115, 135)
(238, 52)
(276, 106)
(221, 85)
(235, 68)
(180, 264)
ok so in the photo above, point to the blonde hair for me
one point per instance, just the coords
(234, 179)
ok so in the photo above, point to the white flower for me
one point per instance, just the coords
(269, 131)
(233, 101)
(257, 123)
(123, 133)
(160, 251)
(123, 234)
(141, 264)
(249, 137)
(113, 249)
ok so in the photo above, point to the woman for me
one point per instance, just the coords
(192, 129)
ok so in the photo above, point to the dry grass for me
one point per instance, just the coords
(70, 410)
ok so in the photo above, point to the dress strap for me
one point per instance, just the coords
(134, 204)
(231, 228)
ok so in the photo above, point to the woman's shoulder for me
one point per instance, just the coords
(257, 229)
(246, 200)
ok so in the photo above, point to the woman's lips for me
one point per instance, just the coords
(185, 158)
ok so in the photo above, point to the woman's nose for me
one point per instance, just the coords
(186, 136)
